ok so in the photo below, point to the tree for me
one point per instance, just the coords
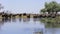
(1, 7)
(52, 7)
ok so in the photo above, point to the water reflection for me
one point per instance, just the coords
(26, 20)
(13, 19)
(19, 19)
(52, 31)
(25, 26)
(20, 25)
(36, 19)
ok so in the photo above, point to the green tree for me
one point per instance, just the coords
(52, 7)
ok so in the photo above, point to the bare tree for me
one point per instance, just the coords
(1, 7)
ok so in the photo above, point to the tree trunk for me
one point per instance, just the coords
(56, 13)
(48, 12)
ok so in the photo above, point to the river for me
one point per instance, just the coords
(25, 26)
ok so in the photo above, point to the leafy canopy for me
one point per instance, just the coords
(51, 7)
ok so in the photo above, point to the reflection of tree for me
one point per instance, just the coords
(26, 19)
(36, 19)
(20, 19)
(13, 19)
(38, 31)
(51, 22)
(1, 23)
(50, 31)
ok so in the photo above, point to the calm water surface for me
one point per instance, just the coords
(25, 26)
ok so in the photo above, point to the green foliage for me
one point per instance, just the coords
(51, 7)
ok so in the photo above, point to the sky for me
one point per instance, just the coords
(24, 6)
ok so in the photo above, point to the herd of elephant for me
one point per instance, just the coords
(24, 15)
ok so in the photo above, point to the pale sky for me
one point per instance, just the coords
(24, 6)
